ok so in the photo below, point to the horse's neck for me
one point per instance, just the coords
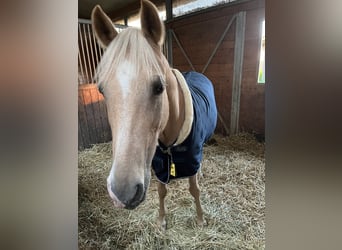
(176, 111)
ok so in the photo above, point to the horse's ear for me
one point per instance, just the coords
(151, 24)
(102, 26)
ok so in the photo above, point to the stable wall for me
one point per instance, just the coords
(199, 33)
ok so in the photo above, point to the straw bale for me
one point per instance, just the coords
(232, 182)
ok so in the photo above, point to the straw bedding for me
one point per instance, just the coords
(232, 183)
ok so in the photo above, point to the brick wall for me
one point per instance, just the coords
(199, 33)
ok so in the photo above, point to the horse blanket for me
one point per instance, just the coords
(187, 156)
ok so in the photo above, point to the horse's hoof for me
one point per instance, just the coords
(162, 225)
(201, 222)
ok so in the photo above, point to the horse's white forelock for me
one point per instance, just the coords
(129, 46)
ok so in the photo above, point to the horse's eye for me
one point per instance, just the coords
(157, 86)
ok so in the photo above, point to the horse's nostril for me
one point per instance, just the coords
(129, 196)
(138, 197)
(139, 193)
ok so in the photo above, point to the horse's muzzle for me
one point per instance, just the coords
(128, 198)
(116, 201)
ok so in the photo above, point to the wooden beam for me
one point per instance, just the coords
(130, 10)
(168, 8)
(169, 53)
(238, 69)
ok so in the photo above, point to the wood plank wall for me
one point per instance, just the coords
(199, 33)
(93, 126)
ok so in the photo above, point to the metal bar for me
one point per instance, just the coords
(98, 49)
(82, 47)
(184, 53)
(95, 47)
(80, 81)
(87, 49)
(238, 67)
(219, 43)
(101, 51)
(88, 21)
(81, 20)
(92, 53)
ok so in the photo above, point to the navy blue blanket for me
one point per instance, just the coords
(188, 155)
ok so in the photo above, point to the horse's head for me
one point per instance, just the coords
(132, 76)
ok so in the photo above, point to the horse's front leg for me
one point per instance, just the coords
(195, 192)
(162, 194)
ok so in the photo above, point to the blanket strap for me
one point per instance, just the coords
(172, 166)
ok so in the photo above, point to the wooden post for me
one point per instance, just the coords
(168, 7)
(169, 55)
(169, 16)
(238, 69)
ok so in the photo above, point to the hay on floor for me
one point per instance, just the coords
(232, 193)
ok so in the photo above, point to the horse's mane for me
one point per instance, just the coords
(130, 45)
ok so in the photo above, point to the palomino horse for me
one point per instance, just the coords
(151, 106)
